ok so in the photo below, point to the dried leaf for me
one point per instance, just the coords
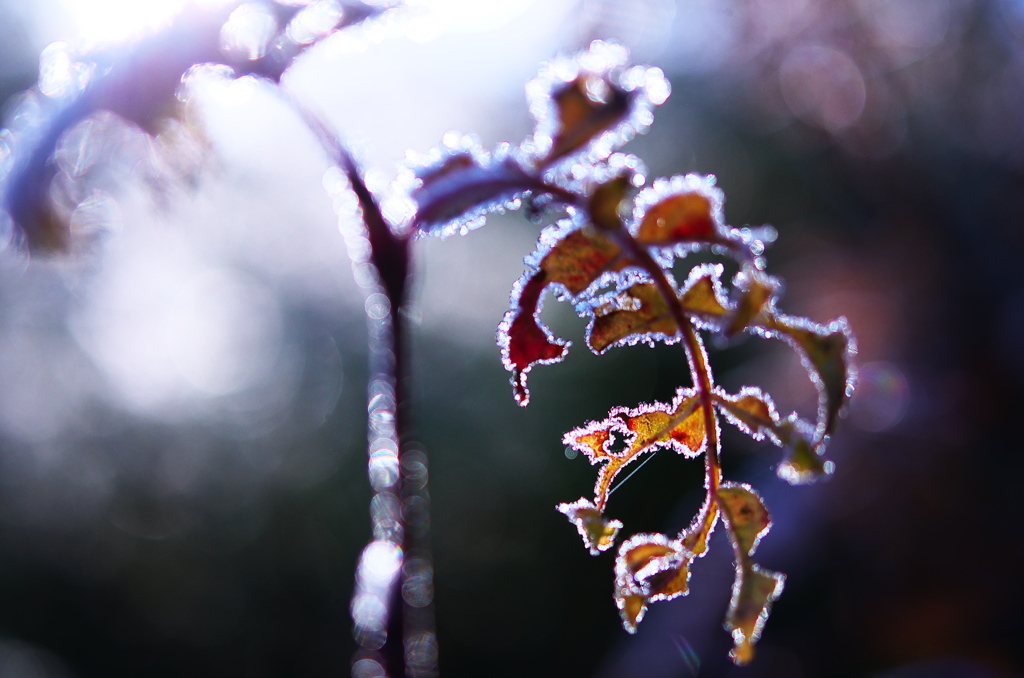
(574, 258)
(606, 201)
(682, 210)
(524, 341)
(679, 426)
(803, 463)
(685, 217)
(632, 607)
(753, 593)
(755, 588)
(702, 294)
(745, 516)
(580, 258)
(638, 314)
(752, 411)
(827, 353)
(597, 531)
(649, 568)
(586, 107)
(758, 292)
(463, 187)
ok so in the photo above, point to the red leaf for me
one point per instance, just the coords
(523, 339)
(456, 192)
(575, 260)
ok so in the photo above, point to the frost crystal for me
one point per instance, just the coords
(588, 106)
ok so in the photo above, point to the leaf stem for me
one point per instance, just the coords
(696, 535)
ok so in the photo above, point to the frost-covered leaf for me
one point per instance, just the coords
(757, 294)
(606, 201)
(589, 105)
(460, 184)
(649, 568)
(571, 257)
(580, 258)
(683, 209)
(702, 294)
(752, 411)
(524, 341)
(597, 531)
(753, 593)
(646, 428)
(827, 352)
(745, 516)
(684, 214)
(755, 588)
(638, 314)
(803, 463)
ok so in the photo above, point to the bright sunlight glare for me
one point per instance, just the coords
(110, 21)
(101, 22)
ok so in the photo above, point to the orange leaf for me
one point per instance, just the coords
(702, 294)
(682, 210)
(571, 256)
(679, 218)
(638, 314)
(756, 303)
(586, 107)
(755, 588)
(679, 426)
(597, 531)
(579, 258)
(649, 568)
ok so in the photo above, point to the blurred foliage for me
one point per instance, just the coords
(902, 212)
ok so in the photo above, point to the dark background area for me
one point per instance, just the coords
(884, 139)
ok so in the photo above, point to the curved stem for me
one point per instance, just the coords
(696, 535)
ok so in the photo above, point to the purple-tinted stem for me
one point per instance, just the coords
(398, 555)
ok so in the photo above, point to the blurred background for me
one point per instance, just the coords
(182, 404)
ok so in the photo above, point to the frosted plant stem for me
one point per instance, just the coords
(397, 560)
(695, 537)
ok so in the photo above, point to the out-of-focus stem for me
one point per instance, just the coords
(394, 633)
